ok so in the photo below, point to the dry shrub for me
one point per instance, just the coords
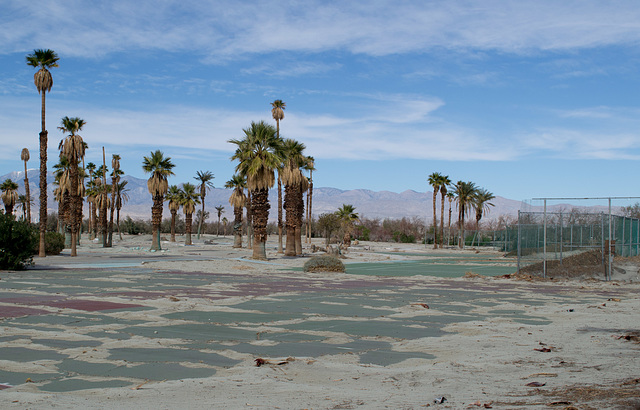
(324, 263)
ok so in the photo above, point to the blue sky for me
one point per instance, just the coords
(524, 98)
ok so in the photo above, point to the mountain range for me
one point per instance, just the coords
(369, 204)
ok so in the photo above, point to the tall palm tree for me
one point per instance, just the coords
(115, 179)
(43, 60)
(292, 177)
(24, 156)
(310, 166)
(220, 210)
(444, 183)
(189, 198)
(481, 204)
(173, 196)
(73, 148)
(9, 195)
(205, 178)
(258, 159)
(122, 197)
(160, 169)
(465, 193)
(277, 112)
(435, 180)
(237, 200)
(347, 216)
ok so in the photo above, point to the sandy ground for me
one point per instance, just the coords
(534, 344)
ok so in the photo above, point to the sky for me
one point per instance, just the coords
(525, 98)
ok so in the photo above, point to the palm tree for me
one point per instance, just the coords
(292, 177)
(43, 60)
(237, 200)
(444, 183)
(277, 112)
(73, 148)
(450, 197)
(309, 166)
(24, 202)
(24, 156)
(220, 210)
(122, 197)
(173, 196)
(91, 196)
(9, 195)
(225, 221)
(481, 204)
(258, 159)
(205, 178)
(188, 199)
(160, 169)
(465, 193)
(347, 216)
(435, 180)
(115, 179)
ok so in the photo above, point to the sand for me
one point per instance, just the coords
(517, 344)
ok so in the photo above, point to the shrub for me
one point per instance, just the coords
(324, 263)
(53, 243)
(17, 241)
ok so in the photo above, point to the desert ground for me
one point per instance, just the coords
(406, 327)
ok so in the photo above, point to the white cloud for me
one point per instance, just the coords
(231, 29)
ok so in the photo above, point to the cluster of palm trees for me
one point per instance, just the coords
(186, 196)
(467, 196)
(264, 158)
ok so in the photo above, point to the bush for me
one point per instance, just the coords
(324, 263)
(53, 243)
(17, 241)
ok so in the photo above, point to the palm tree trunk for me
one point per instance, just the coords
(290, 222)
(249, 221)
(105, 202)
(260, 215)
(435, 219)
(94, 222)
(43, 185)
(188, 218)
(201, 216)
(74, 207)
(461, 227)
(156, 220)
(118, 222)
(113, 208)
(237, 227)
(27, 192)
(173, 225)
(279, 211)
(449, 226)
(43, 177)
(441, 220)
(298, 215)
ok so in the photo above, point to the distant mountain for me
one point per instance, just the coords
(370, 204)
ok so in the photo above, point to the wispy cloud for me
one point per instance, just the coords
(229, 29)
